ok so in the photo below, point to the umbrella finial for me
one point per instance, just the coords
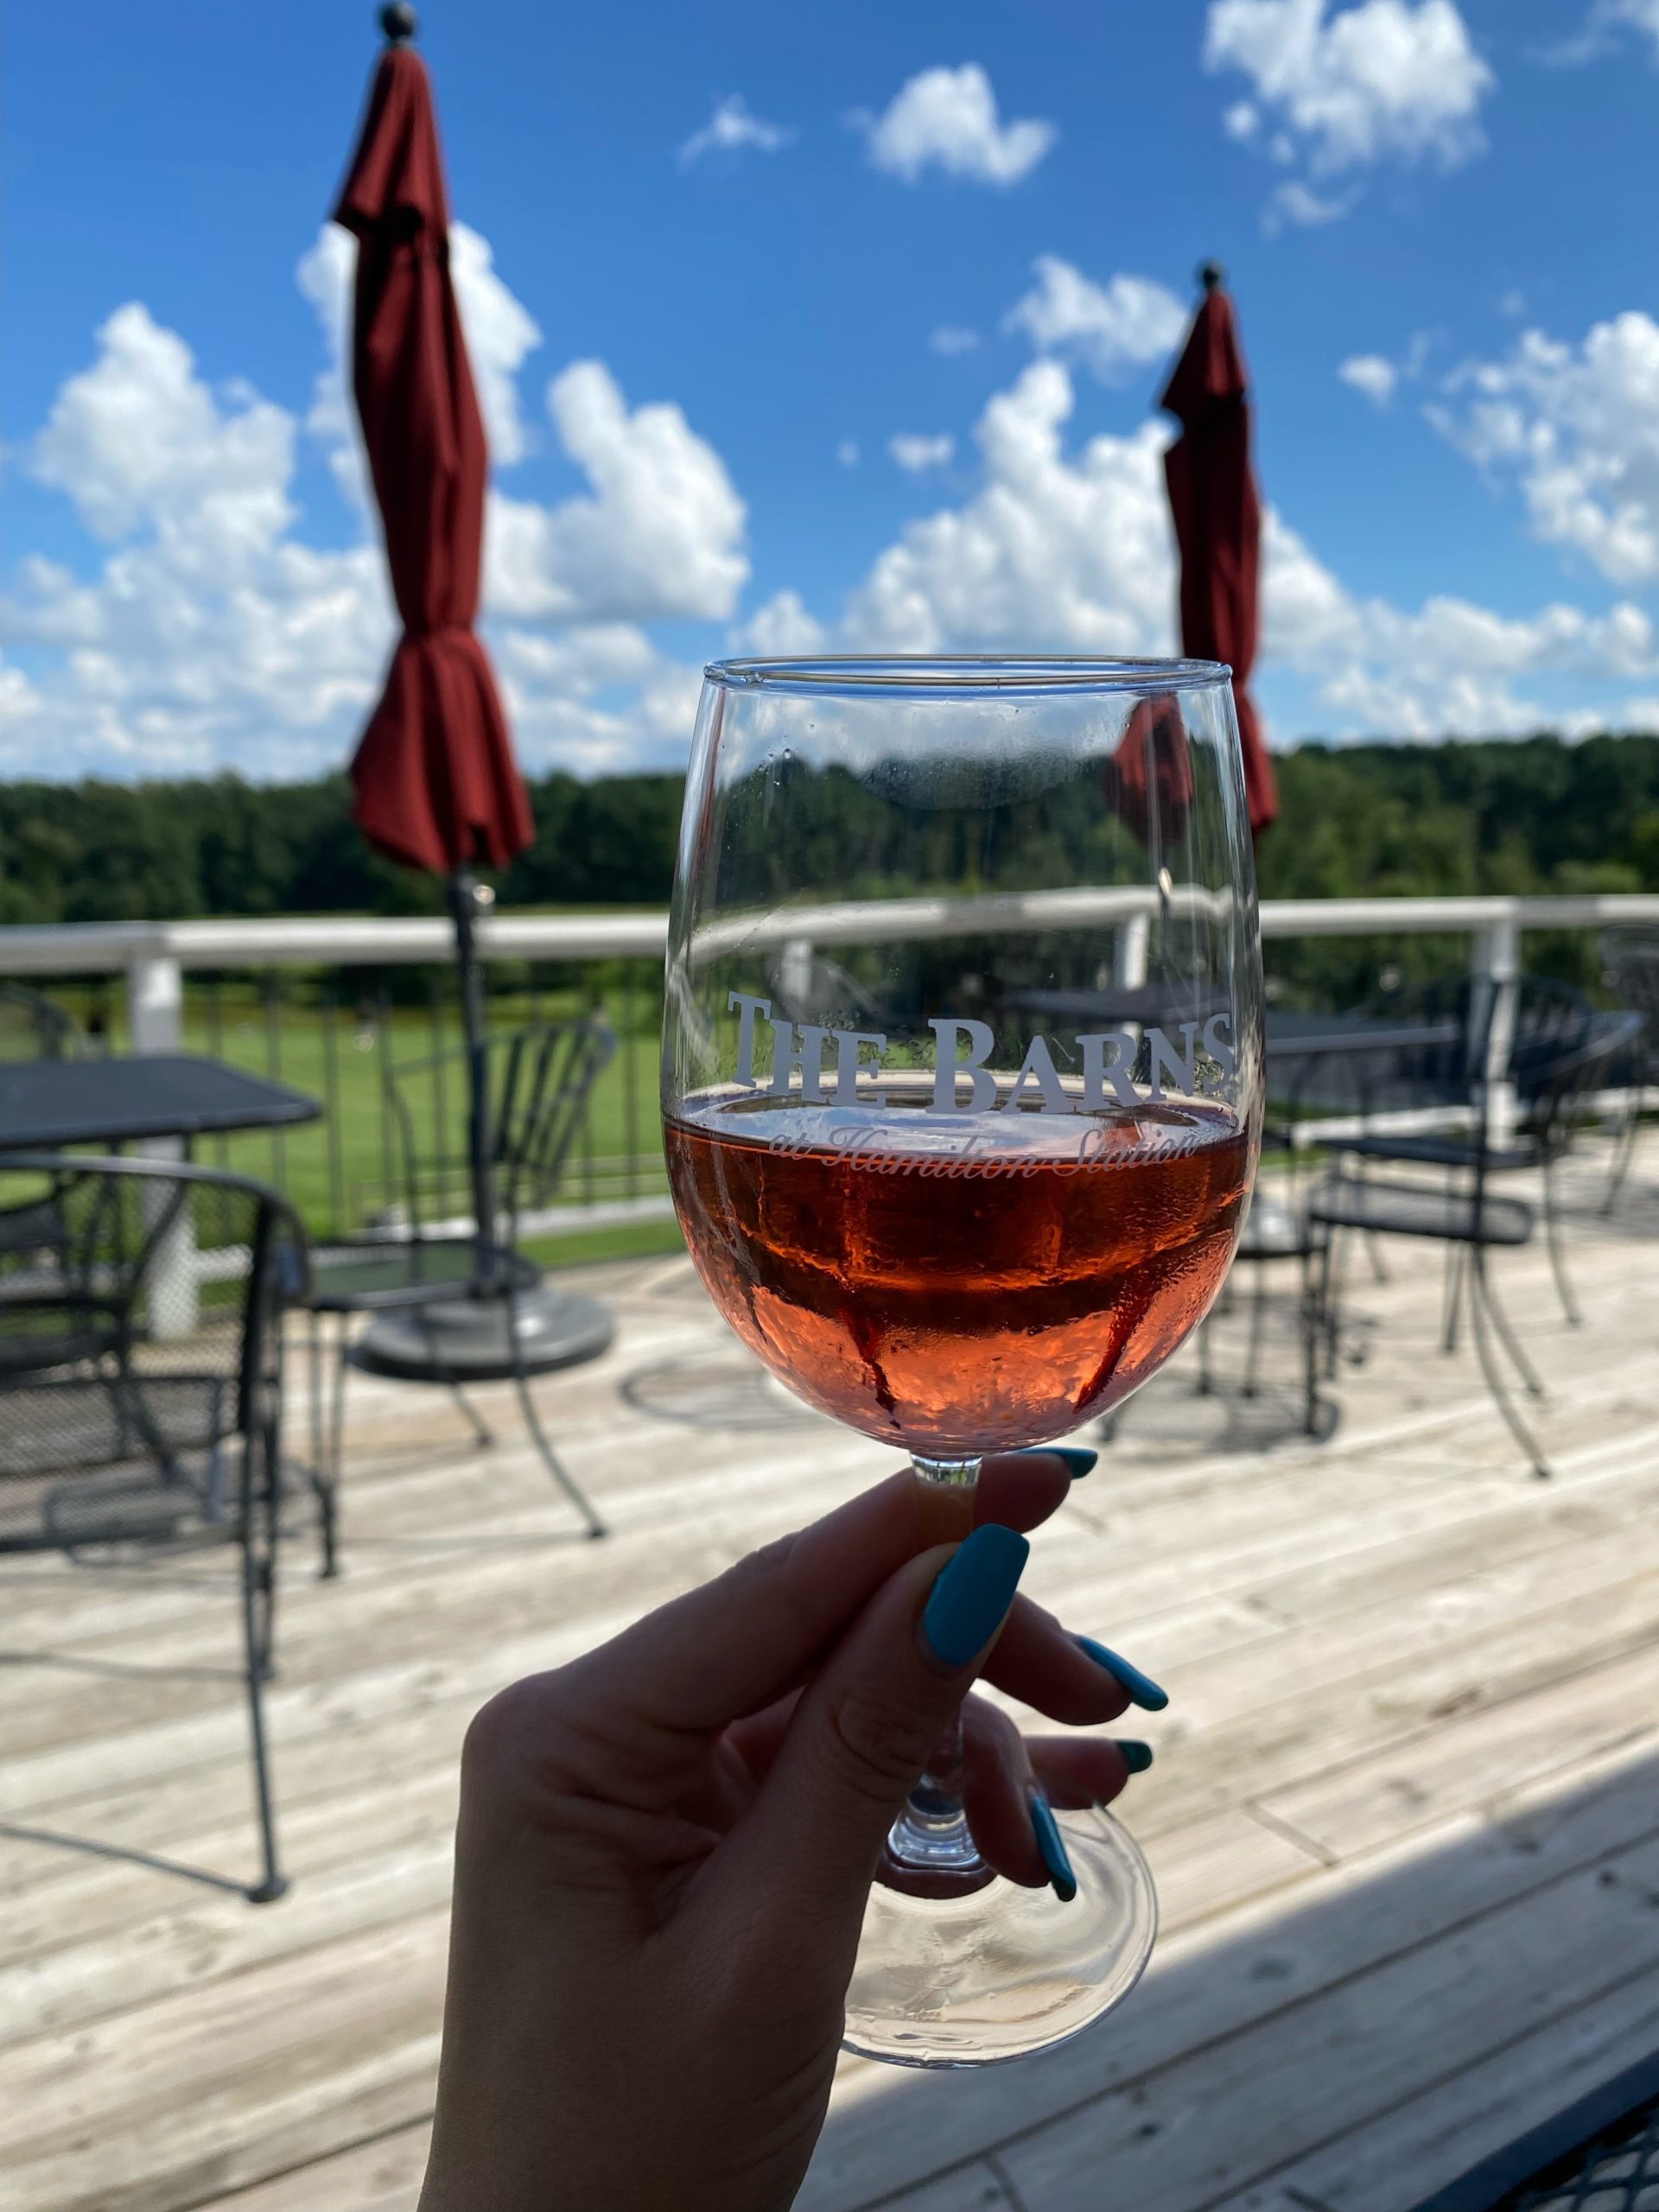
(400, 21)
(1210, 276)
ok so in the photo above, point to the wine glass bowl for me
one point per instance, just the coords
(962, 1095)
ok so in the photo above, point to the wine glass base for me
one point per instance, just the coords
(1003, 1971)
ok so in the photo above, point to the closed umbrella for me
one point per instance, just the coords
(1218, 516)
(437, 785)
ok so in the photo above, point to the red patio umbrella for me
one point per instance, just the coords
(1217, 517)
(435, 781)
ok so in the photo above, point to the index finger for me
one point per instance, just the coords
(732, 1646)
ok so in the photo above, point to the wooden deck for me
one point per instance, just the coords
(1404, 1819)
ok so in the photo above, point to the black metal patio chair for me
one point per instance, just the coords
(141, 1384)
(34, 1028)
(1631, 963)
(1547, 1022)
(1279, 1232)
(1463, 1212)
(541, 1082)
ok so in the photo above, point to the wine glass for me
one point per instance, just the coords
(962, 1092)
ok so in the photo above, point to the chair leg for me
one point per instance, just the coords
(1523, 1366)
(336, 1448)
(1623, 1151)
(1336, 1285)
(482, 1434)
(1206, 1382)
(1482, 1306)
(551, 1459)
(1258, 1307)
(325, 1465)
(1312, 1328)
(1557, 1251)
(258, 1606)
(1452, 1302)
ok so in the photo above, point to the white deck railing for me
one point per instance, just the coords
(145, 951)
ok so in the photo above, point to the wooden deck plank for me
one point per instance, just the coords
(1411, 2151)
(1224, 2115)
(1230, 1976)
(1371, 1645)
(384, 2176)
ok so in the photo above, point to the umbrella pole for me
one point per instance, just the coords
(464, 903)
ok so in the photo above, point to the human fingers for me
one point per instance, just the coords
(1070, 1677)
(863, 1730)
(737, 1643)
(1009, 1778)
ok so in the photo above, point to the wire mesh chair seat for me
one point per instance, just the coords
(141, 1386)
(1391, 1209)
(539, 1081)
(382, 1276)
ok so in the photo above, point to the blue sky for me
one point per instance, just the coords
(869, 362)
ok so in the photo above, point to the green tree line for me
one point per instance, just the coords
(1511, 816)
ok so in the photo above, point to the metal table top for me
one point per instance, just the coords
(123, 1099)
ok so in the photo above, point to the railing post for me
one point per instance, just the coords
(1497, 967)
(154, 1004)
(155, 1024)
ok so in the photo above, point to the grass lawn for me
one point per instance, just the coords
(338, 1171)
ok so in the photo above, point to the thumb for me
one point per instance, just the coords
(867, 1726)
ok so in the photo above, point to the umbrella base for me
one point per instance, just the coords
(467, 1339)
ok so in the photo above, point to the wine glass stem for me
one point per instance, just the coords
(932, 1834)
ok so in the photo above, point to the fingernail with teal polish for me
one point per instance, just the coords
(975, 1589)
(1137, 1756)
(1051, 1844)
(1142, 1690)
(1080, 1460)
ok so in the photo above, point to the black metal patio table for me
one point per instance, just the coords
(46, 1105)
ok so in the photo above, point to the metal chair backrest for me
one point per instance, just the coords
(32, 1027)
(1630, 960)
(1546, 1020)
(154, 1314)
(1568, 1085)
(541, 1093)
(541, 1082)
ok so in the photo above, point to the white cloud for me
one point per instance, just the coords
(139, 439)
(730, 128)
(914, 452)
(1241, 121)
(1115, 328)
(1371, 374)
(1072, 551)
(947, 118)
(1385, 78)
(1296, 202)
(207, 633)
(952, 338)
(1597, 36)
(1449, 668)
(847, 453)
(1051, 553)
(1578, 428)
(783, 627)
(660, 534)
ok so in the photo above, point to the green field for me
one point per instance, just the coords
(343, 1170)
